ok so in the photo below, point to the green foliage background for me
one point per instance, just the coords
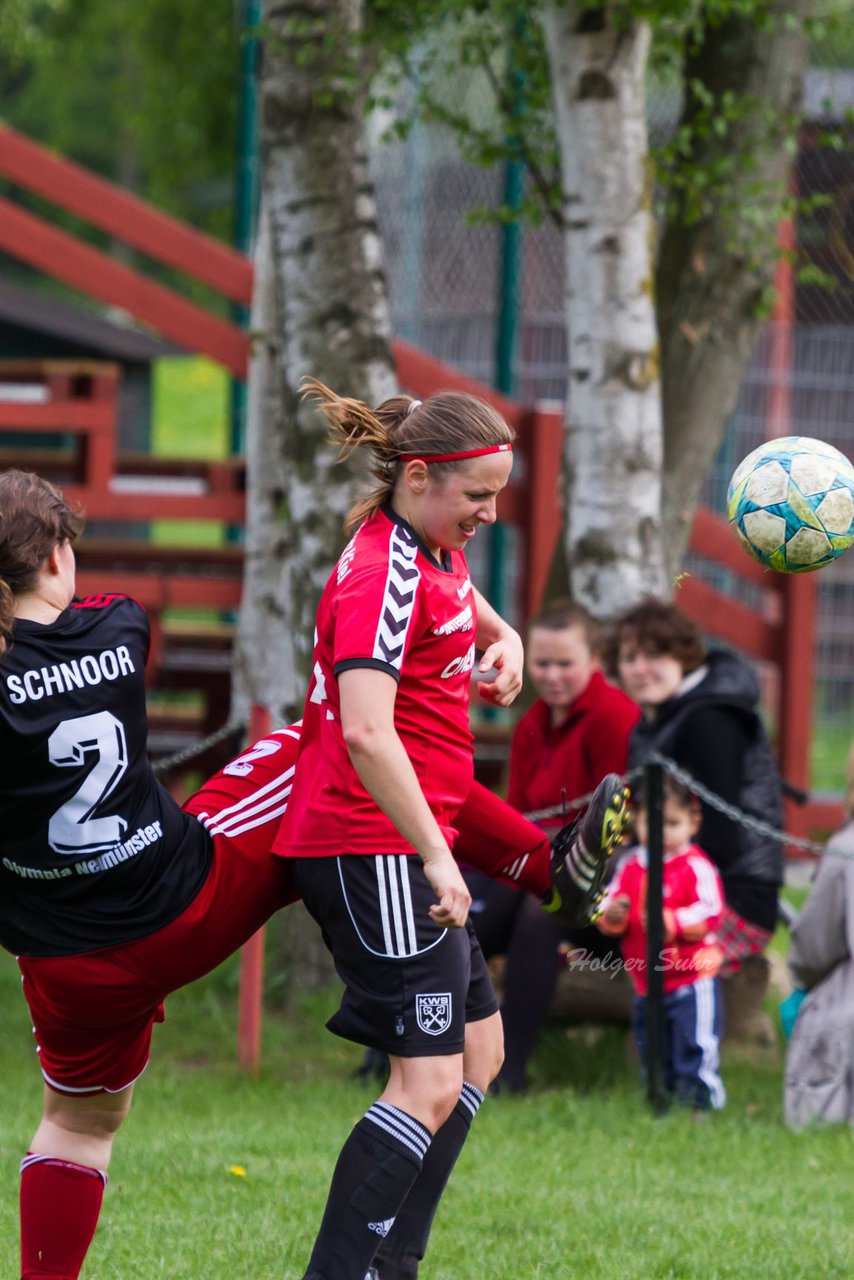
(142, 91)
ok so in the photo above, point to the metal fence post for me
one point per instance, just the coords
(656, 1030)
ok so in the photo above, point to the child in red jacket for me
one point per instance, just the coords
(692, 910)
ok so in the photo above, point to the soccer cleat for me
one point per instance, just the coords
(580, 853)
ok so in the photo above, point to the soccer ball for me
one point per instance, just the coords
(791, 503)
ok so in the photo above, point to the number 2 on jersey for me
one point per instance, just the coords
(72, 829)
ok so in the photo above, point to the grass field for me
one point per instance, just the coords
(217, 1175)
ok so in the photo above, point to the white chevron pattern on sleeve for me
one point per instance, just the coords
(398, 599)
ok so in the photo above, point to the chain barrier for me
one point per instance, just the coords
(580, 802)
(702, 793)
(731, 811)
(232, 728)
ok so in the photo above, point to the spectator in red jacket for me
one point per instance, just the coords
(576, 731)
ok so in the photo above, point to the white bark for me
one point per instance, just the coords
(264, 662)
(321, 309)
(614, 425)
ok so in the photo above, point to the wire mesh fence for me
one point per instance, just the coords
(443, 273)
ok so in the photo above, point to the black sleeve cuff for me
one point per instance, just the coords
(370, 664)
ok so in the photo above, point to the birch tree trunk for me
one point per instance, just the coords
(320, 308)
(715, 271)
(614, 429)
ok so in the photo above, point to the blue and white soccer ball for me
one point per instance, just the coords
(791, 503)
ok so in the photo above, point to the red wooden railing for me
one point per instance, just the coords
(57, 253)
(124, 216)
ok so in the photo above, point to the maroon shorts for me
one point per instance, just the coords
(93, 1013)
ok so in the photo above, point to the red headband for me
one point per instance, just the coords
(459, 457)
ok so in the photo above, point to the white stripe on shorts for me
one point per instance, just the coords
(395, 903)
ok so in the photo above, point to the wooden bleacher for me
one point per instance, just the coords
(190, 666)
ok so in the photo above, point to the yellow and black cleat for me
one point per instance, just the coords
(581, 850)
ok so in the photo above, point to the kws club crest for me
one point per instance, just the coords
(433, 1012)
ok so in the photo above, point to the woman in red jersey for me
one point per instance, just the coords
(111, 896)
(385, 764)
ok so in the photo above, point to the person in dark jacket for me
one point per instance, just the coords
(700, 708)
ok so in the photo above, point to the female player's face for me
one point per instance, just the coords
(649, 678)
(446, 512)
(560, 664)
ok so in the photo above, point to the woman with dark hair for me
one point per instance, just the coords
(700, 708)
(385, 765)
(111, 896)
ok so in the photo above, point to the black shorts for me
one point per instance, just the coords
(410, 986)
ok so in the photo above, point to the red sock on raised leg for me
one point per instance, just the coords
(60, 1205)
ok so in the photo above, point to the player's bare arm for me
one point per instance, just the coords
(378, 756)
(503, 653)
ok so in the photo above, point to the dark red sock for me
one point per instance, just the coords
(60, 1204)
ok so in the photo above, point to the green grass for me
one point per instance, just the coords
(190, 408)
(831, 744)
(575, 1180)
(190, 419)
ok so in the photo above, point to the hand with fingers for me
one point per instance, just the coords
(615, 916)
(501, 670)
(446, 881)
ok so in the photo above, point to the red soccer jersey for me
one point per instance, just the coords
(692, 891)
(389, 606)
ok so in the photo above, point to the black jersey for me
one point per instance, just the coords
(93, 851)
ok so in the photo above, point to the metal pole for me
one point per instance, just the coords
(245, 187)
(508, 284)
(410, 288)
(656, 1029)
(507, 322)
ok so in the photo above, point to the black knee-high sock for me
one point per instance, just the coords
(376, 1168)
(406, 1243)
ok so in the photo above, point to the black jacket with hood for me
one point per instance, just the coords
(712, 729)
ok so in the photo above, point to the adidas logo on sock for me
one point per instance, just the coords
(381, 1228)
